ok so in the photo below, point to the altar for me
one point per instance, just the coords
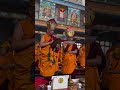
(69, 84)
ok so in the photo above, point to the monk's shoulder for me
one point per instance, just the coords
(23, 21)
(45, 35)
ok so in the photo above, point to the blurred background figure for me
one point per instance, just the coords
(23, 42)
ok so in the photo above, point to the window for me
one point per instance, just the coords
(105, 45)
(78, 45)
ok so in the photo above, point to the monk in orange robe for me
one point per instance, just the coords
(6, 64)
(70, 51)
(48, 58)
(94, 56)
(112, 78)
(23, 44)
(81, 57)
(94, 60)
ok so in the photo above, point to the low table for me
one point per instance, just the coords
(69, 88)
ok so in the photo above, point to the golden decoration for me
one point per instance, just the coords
(60, 80)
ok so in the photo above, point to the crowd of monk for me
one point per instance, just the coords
(49, 58)
(17, 58)
(102, 71)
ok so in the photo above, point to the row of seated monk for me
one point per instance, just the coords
(91, 57)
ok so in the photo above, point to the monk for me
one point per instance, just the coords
(6, 64)
(81, 57)
(49, 56)
(70, 50)
(93, 54)
(94, 64)
(23, 44)
(112, 78)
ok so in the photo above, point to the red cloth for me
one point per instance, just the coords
(52, 38)
(52, 21)
(40, 81)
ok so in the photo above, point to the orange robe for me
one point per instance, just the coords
(69, 62)
(37, 52)
(113, 79)
(48, 59)
(6, 71)
(57, 56)
(81, 57)
(91, 74)
(24, 59)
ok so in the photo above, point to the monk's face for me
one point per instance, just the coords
(52, 26)
(50, 32)
(74, 16)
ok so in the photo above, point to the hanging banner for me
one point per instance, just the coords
(61, 14)
(47, 10)
(74, 17)
(82, 19)
(37, 2)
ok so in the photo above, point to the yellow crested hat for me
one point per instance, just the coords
(69, 31)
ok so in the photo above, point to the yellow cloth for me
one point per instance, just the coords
(92, 79)
(57, 63)
(24, 60)
(69, 62)
(6, 72)
(37, 52)
(81, 57)
(47, 68)
(91, 74)
(112, 80)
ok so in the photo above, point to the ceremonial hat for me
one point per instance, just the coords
(51, 24)
(69, 31)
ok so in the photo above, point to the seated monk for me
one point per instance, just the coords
(49, 55)
(6, 64)
(69, 53)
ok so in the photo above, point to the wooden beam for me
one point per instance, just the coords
(106, 28)
(103, 8)
(59, 35)
(43, 23)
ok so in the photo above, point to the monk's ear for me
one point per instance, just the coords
(47, 30)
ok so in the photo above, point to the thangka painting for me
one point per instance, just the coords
(82, 24)
(47, 10)
(61, 14)
(37, 3)
(74, 17)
